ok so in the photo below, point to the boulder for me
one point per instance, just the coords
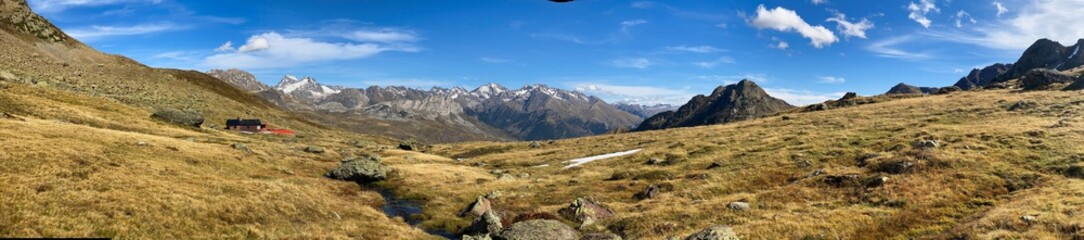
(876, 182)
(1039, 79)
(535, 144)
(719, 232)
(413, 145)
(650, 192)
(926, 144)
(738, 206)
(1023, 105)
(240, 146)
(487, 223)
(477, 208)
(477, 237)
(360, 170)
(186, 118)
(586, 211)
(1078, 84)
(842, 180)
(538, 229)
(714, 165)
(313, 149)
(655, 161)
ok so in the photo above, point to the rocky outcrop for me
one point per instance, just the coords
(903, 88)
(487, 223)
(1045, 53)
(742, 101)
(538, 229)
(586, 211)
(477, 208)
(1077, 84)
(240, 79)
(363, 170)
(1042, 79)
(982, 77)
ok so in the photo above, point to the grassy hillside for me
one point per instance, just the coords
(805, 175)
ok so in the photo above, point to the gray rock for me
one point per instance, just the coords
(495, 194)
(535, 144)
(1029, 219)
(505, 176)
(876, 182)
(360, 170)
(655, 161)
(719, 232)
(1075, 171)
(477, 237)
(715, 165)
(239, 146)
(313, 149)
(186, 118)
(738, 206)
(1023, 105)
(487, 223)
(538, 229)
(413, 145)
(1039, 79)
(586, 211)
(477, 208)
(650, 192)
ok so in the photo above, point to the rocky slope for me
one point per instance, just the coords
(241, 79)
(742, 101)
(903, 88)
(982, 77)
(1046, 53)
(644, 111)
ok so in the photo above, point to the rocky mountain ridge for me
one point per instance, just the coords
(741, 101)
(488, 112)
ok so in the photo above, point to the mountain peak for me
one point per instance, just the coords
(736, 102)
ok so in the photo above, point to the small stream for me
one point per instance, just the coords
(409, 210)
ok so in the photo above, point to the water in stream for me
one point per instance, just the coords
(409, 210)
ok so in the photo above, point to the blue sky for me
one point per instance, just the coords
(803, 51)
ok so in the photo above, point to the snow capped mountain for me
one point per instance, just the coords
(489, 90)
(305, 88)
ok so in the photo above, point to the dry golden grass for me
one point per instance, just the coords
(79, 166)
(993, 167)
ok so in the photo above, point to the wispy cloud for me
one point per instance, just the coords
(383, 35)
(716, 62)
(96, 32)
(629, 24)
(786, 20)
(831, 79)
(61, 5)
(962, 16)
(704, 49)
(1032, 21)
(634, 94)
(801, 97)
(273, 50)
(890, 48)
(678, 12)
(559, 37)
(1001, 9)
(638, 63)
(851, 29)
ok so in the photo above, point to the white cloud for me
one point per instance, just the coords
(889, 48)
(1031, 22)
(385, 35)
(256, 43)
(732, 79)
(705, 49)
(96, 32)
(640, 63)
(851, 29)
(272, 50)
(920, 9)
(559, 37)
(226, 47)
(494, 60)
(819, 2)
(786, 20)
(1000, 8)
(716, 62)
(961, 16)
(779, 44)
(801, 97)
(831, 79)
(634, 94)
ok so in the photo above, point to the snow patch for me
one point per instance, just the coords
(581, 161)
(1075, 51)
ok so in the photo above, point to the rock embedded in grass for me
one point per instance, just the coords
(651, 191)
(586, 211)
(487, 223)
(538, 229)
(718, 232)
(360, 170)
(314, 149)
(480, 206)
(738, 206)
(413, 145)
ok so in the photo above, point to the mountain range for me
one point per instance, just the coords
(489, 112)
(741, 101)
